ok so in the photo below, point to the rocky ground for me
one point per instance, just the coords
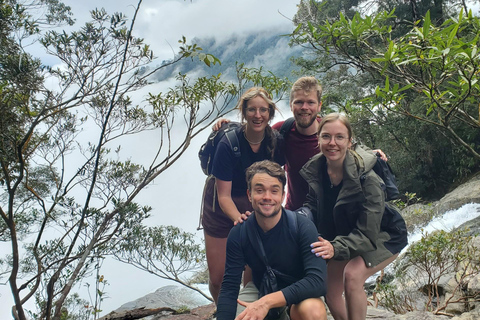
(207, 313)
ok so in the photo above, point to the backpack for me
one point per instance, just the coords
(286, 127)
(385, 172)
(207, 150)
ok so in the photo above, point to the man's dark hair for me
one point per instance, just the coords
(271, 168)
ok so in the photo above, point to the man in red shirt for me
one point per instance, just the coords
(301, 141)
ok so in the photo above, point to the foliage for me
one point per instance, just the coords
(199, 277)
(418, 70)
(393, 300)
(182, 310)
(410, 198)
(427, 261)
(423, 165)
(417, 217)
(69, 187)
(165, 251)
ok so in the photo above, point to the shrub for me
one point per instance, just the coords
(428, 262)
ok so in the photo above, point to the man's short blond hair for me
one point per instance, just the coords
(306, 84)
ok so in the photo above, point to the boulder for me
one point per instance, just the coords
(172, 296)
(466, 193)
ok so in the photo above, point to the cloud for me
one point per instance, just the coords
(163, 23)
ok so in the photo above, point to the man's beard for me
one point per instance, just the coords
(258, 211)
(304, 125)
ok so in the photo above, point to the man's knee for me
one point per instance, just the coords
(309, 309)
(248, 293)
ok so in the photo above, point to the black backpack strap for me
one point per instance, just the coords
(292, 222)
(232, 137)
(286, 127)
(233, 141)
(254, 237)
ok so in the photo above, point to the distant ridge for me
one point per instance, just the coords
(270, 52)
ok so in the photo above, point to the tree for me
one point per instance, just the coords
(69, 190)
(408, 66)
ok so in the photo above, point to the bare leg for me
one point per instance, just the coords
(355, 275)
(309, 309)
(247, 275)
(216, 249)
(334, 298)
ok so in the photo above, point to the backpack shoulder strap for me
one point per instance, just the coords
(254, 237)
(292, 221)
(286, 127)
(233, 141)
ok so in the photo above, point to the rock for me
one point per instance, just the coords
(201, 313)
(472, 315)
(419, 315)
(174, 297)
(473, 225)
(465, 193)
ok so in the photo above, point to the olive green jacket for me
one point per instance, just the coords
(358, 212)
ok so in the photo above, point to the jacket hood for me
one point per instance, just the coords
(364, 158)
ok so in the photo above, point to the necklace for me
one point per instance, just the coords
(254, 143)
(333, 178)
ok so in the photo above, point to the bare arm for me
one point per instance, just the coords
(224, 193)
(216, 126)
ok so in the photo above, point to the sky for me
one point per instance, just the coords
(176, 195)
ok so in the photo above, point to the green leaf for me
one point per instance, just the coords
(426, 24)
(452, 35)
(408, 86)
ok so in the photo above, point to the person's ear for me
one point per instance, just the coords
(319, 107)
(249, 195)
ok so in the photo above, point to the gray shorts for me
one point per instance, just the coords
(249, 293)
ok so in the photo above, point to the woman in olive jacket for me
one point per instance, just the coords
(348, 203)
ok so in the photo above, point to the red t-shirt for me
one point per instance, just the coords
(299, 149)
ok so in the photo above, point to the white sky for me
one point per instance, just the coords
(176, 194)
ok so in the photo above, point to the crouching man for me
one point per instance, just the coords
(285, 237)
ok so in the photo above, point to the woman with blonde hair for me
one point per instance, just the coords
(225, 200)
